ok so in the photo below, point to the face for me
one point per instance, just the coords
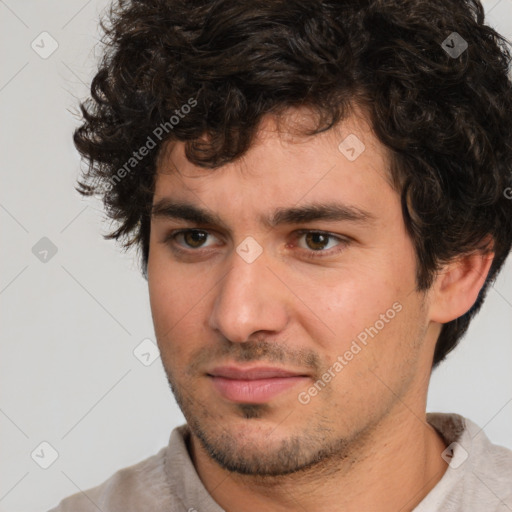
(287, 329)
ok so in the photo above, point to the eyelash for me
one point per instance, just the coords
(310, 254)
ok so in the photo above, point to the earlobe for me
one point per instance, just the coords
(457, 286)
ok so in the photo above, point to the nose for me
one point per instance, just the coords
(249, 300)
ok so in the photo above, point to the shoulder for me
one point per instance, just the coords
(166, 481)
(479, 473)
(489, 469)
(138, 487)
(485, 457)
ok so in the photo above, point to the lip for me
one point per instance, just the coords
(252, 373)
(255, 384)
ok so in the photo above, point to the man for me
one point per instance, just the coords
(318, 190)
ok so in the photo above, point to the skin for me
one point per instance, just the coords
(362, 442)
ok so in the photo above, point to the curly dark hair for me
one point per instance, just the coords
(205, 72)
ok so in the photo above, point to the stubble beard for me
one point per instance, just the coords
(315, 447)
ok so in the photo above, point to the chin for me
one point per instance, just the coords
(260, 447)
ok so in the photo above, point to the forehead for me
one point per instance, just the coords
(346, 164)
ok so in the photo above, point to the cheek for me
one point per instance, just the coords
(166, 290)
(177, 309)
(348, 302)
(171, 286)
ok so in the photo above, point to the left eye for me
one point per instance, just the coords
(317, 240)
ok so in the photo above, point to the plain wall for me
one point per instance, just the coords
(68, 375)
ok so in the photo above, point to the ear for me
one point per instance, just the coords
(457, 286)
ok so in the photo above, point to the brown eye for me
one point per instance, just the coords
(194, 238)
(317, 241)
(189, 239)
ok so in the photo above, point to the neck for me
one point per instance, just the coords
(391, 467)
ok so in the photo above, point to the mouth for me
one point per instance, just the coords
(254, 384)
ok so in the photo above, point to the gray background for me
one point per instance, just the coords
(68, 375)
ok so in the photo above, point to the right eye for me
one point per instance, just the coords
(192, 238)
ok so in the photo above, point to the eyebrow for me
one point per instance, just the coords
(167, 208)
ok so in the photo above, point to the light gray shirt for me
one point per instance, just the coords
(478, 478)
